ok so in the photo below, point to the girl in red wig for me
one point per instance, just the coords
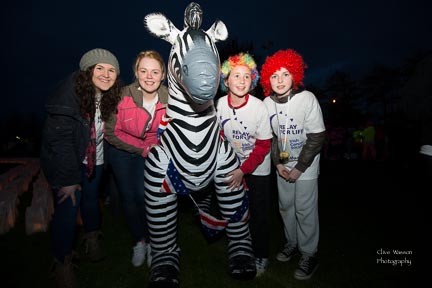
(298, 135)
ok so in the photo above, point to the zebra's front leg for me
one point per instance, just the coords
(162, 222)
(234, 207)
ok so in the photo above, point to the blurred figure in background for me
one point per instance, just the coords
(369, 149)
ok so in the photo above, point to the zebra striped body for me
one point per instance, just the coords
(191, 139)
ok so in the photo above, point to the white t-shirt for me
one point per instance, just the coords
(99, 126)
(243, 126)
(150, 106)
(291, 121)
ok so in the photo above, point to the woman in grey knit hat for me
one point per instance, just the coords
(72, 154)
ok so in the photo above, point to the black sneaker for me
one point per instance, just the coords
(242, 267)
(306, 267)
(164, 276)
(287, 253)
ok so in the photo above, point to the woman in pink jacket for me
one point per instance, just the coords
(131, 132)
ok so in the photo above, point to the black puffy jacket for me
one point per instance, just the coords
(65, 136)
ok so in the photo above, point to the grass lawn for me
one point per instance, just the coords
(358, 219)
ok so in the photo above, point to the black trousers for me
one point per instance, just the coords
(259, 206)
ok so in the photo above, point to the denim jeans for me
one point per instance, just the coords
(63, 222)
(128, 170)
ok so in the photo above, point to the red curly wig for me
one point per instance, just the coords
(288, 59)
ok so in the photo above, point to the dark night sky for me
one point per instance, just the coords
(44, 40)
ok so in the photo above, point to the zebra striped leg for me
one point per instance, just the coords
(162, 220)
(240, 251)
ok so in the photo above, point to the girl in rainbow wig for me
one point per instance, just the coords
(244, 123)
(243, 59)
(298, 128)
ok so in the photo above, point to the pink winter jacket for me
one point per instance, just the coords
(126, 129)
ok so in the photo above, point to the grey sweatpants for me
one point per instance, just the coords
(298, 207)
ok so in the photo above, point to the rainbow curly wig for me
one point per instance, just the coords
(239, 59)
(288, 59)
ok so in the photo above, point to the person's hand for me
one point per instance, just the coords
(294, 174)
(283, 171)
(236, 179)
(68, 191)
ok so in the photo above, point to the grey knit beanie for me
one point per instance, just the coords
(96, 56)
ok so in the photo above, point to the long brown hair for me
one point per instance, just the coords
(86, 92)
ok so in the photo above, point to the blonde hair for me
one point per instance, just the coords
(150, 54)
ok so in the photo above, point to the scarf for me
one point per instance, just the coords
(91, 150)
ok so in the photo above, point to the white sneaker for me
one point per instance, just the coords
(261, 265)
(139, 254)
(148, 254)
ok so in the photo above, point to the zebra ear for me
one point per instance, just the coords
(160, 26)
(218, 31)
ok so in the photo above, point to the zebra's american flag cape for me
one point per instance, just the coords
(211, 226)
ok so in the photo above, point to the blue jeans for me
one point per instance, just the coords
(128, 170)
(63, 222)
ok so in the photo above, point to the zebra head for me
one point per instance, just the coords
(193, 64)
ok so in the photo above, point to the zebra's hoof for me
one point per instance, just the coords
(242, 267)
(164, 276)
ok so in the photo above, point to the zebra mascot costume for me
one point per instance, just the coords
(191, 153)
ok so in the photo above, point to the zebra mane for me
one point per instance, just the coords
(193, 16)
(160, 26)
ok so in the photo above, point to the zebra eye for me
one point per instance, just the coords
(185, 70)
